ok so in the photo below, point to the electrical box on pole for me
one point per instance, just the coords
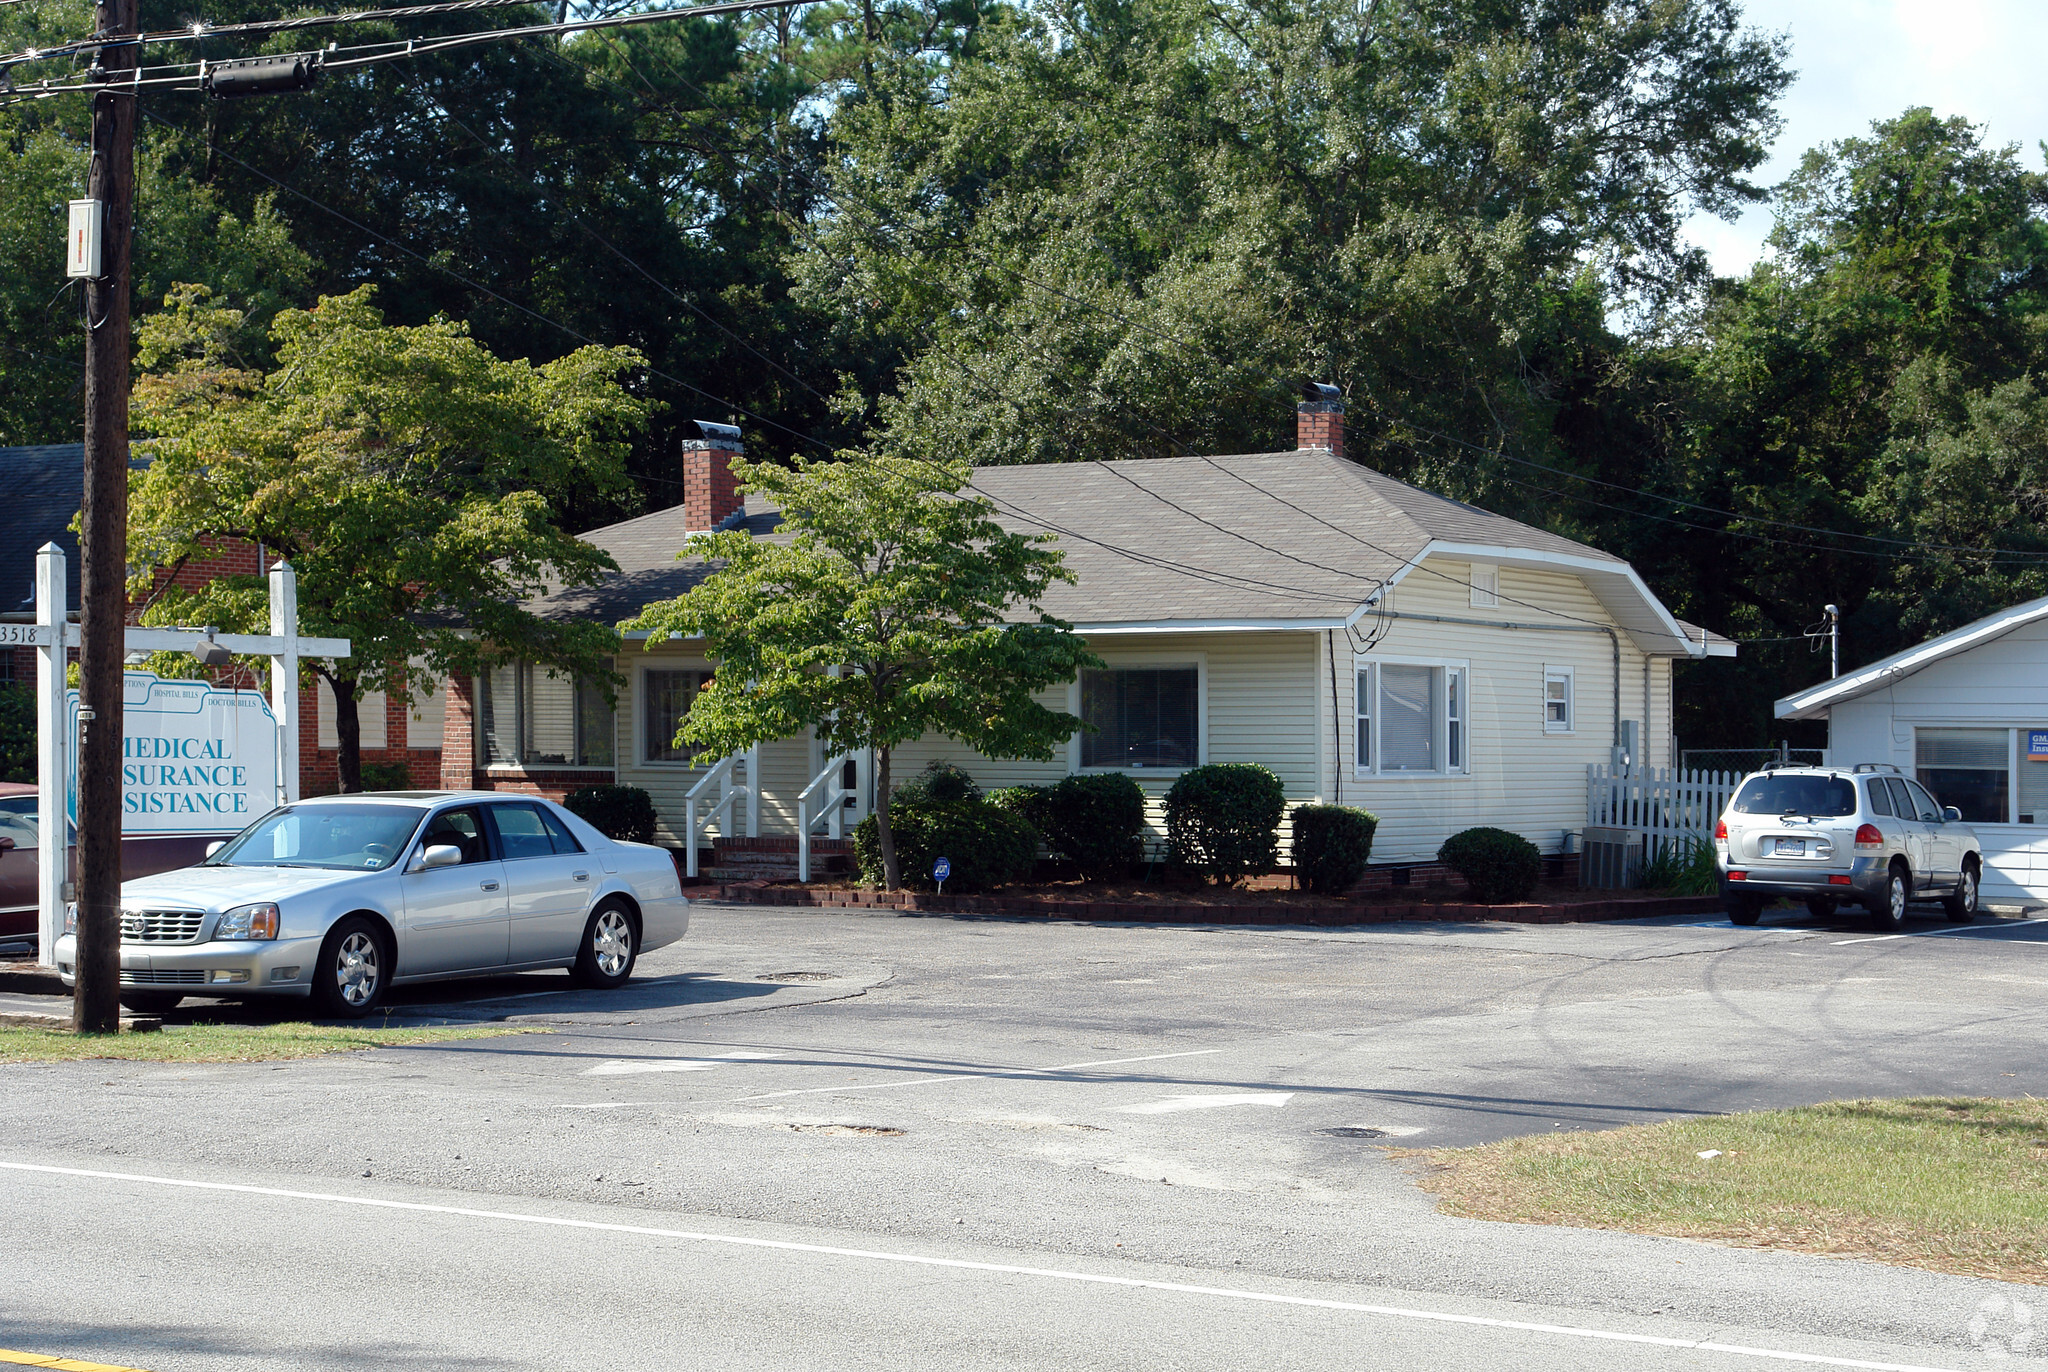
(82, 240)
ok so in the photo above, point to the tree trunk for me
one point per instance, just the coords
(348, 735)
(892, 871)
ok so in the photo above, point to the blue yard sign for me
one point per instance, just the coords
(940, 871)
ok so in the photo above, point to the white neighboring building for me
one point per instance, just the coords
(1966, 713)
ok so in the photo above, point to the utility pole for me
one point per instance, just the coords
(103, 546)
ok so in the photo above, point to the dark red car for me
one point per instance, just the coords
(20, 823)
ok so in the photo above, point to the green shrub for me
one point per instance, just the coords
(1331, 845)
(1683, 866)
(17, 734)
(939, 781)
(1093, 820)
(1223, 821)
(987, 844)
(1500, 867)
(621, 812)
(386, 776)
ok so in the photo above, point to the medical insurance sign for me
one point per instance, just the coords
(2037, 745)
(194, 759)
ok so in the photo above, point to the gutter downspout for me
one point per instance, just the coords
(1613, 639)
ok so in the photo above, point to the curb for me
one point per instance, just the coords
(1133, 912)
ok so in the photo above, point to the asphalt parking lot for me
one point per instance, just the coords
(1188, 1107)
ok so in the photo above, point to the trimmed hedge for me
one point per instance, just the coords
(940, 782)
(386, 776)
(1094, 820)
(1331, 846)
(1223, 821)
(987, 844)
(1500, 867)
(620, 812)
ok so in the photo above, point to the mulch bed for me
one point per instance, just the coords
(1168, 904)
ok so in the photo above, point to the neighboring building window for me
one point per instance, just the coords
(1557, 700)
(1364, 699)
(1141, 717)
(1485, 586)
(529, 718)
(666, 697)
(1411, 718)
(1967, 768)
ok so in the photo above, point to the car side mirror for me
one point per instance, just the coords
(439, 855)
(6, 844)
(1951, 815)
(216, 846)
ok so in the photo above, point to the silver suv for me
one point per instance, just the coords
(1829, 835)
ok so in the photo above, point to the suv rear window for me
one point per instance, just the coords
(1796, 795)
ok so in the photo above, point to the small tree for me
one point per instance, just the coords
(881, 612)
(406, 473)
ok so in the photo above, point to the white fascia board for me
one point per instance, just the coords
(1813, 703)
(1215, 626)
(1585, 567)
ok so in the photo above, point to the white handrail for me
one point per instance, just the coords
(834, 808)
(720, 773)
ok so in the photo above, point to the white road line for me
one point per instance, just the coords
(974, 1076)
(998, 1268)
(632, 1067)
(1173, 1105)
(1940, 933)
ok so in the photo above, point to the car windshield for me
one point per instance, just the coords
(1796, 795)
(355, 837)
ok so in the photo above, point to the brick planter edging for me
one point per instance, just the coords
(1638, 907)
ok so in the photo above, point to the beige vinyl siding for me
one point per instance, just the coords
(1518, 776)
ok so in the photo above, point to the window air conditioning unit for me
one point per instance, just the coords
(1613, 860)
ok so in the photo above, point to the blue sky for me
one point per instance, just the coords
(1860, 60)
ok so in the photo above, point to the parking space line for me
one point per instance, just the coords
(8, 1355)
(1941, 933)
(1000, 1073)
(1226, 1293)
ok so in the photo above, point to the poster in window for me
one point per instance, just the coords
(2037, 745)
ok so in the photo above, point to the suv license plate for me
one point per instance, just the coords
(1791, 847)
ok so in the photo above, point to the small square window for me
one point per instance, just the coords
(1557, 700)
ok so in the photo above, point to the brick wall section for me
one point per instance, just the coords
(1320, 424)
(710, 490)
(458, 735)
(320, 768)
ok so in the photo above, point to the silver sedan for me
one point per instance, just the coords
(343, 897)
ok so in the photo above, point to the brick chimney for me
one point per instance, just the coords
(1319, 419)
(710, 491)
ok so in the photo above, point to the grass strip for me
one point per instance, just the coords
(1954, 1185)
(229, 1042)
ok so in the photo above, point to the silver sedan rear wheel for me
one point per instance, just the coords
(611, 944)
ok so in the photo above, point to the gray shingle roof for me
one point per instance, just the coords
(1297, 538)
(45, 485)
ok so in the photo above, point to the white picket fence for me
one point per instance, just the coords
(1665, 803)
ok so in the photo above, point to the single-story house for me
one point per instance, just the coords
(1372, 643)
(1967, 714)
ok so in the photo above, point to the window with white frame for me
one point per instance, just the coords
(1411, 718)
(1557, 700)
(1142, 716)
(532, 718)
(1485, 586)
(665, 696)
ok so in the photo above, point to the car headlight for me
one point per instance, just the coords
(71, 917)
(247, 922)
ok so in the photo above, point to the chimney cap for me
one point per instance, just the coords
(1321, 391)
(718, 435)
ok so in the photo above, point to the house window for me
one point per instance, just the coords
(1411, 718)
(1967, 768)
(666, 697)
(531, 718)
(1557, 700)
(1141, 717)
(1485, 586)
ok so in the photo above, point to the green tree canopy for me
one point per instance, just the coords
(409, 476)
(888, 606)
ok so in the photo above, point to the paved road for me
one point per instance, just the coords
(927, 1140)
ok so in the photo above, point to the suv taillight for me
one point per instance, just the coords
(1869, 836)
(1721, 832)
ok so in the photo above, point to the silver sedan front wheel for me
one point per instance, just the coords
(353, 971)
(611, 944)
